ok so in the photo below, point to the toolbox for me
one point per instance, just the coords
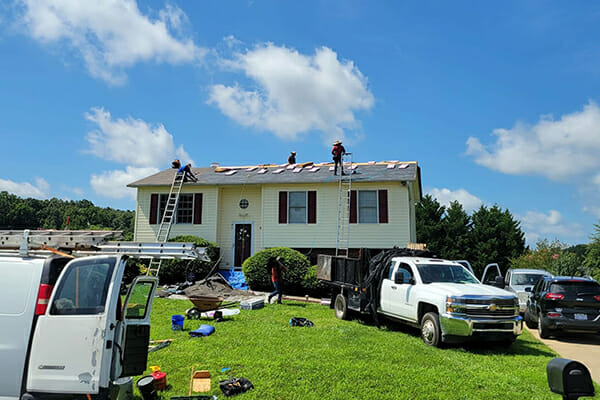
(252, 304)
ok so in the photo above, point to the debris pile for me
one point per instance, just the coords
(215, 285)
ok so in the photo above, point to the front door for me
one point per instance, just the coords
(242, 243)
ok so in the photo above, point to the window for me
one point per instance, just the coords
(189, 208)
(297, 207)
(406, 271)
(367, 207)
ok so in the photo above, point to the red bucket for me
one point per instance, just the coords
(160, 380)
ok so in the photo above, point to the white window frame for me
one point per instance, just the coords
(161, 210)
(358, 207)
(289, 207)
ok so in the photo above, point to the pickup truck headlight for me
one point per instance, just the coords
(455, 305)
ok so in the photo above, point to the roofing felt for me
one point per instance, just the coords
(384, 171)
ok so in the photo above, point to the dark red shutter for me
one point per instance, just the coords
(312, 207)
(353, 207)
(197, 208)
(153, 208)
(383, 207)
(283, 207)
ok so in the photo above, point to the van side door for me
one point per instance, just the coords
(68, 349)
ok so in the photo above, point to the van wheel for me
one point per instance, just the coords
(430, 330)
(542, 330)
(341, 307)
(528, 321)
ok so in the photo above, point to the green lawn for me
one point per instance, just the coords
(342, 359)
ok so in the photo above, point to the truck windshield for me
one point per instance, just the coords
(525, 279)
(445, 273)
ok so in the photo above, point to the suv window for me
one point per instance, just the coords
(84, 288)
(575, 288)
(525, 279)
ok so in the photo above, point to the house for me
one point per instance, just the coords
(247, 209)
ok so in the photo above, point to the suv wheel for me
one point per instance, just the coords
(542, 330)
(531, 324)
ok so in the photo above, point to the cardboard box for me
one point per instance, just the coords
(201, 381)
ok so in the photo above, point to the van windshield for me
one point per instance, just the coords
(525, 279)
(84, 287)
(445, 273)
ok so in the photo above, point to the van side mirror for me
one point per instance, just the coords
(399, 277)
(569, 378)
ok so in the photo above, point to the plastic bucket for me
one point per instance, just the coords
(146, 387)
(177, 322)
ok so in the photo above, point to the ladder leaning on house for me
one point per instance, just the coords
(342, 240)
(167, 217)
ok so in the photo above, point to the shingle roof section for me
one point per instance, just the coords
(383, 171)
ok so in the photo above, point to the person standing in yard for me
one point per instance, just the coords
(276, 268)
(337, 152)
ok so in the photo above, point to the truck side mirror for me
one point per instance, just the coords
(499, 282)
(569, 378)
(399, 277)
(528, 289)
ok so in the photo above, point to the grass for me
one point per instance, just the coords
(341, 359)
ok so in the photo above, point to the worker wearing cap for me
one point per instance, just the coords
(338, 151)
(292, 158)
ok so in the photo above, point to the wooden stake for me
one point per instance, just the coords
(191, 381)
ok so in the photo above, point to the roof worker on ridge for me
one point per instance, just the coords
(292, 158)
(186, 170)
(338, 151)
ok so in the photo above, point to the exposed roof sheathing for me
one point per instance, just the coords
(384, 171)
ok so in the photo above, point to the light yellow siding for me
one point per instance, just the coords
(145, 232)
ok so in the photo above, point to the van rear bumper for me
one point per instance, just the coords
(453, 325)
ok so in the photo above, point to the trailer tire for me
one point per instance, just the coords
(341, 307)
(430, 330)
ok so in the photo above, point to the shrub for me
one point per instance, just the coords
(174, 271)
(312, 285)
(258, 276)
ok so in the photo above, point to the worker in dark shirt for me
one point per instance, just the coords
(188, 175)
(292, 158)
(276, 268)
(337, 152)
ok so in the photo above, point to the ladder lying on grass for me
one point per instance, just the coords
(30, 243)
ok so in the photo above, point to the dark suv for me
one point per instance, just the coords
(563, 303)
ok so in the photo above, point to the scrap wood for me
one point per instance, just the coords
(161, 344)
(60, 253)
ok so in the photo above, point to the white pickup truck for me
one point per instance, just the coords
(441, 297)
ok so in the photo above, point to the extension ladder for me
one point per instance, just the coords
(344, 192)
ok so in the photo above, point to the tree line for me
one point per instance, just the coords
(18, 213)
(492, 234)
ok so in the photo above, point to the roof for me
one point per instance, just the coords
(384, 171)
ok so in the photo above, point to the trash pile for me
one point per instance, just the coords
(215, 285)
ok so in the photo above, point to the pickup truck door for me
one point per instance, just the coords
(74, 342)
(490, 273)
(396, 297)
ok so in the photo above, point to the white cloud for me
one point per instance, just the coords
(446, 196)
(557, 149)
(294, 93)
(111, 35)
(39, 190)
(131, 141)
(552, 225)
(113, 184)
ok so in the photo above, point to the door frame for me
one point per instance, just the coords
(234, 225)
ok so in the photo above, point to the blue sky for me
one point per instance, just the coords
(499, 104)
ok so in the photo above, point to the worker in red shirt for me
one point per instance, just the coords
(276, 268)
(337, 152)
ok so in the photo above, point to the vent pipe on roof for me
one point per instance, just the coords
(214, 164)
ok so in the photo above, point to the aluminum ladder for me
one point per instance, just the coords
(342, 240)
(166, 221)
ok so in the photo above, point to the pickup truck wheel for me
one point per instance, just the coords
(430, 330)
(542, 330)
(341, 307)
(528, 321)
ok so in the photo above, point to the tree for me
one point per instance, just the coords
(429, 215)
(495, 236)
(455, 243)
(592, 256)
(541, 258)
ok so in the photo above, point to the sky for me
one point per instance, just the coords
(499, 103)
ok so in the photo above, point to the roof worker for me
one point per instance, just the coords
(188, 175)
(176, 164)
(292, 158)
(338, 151)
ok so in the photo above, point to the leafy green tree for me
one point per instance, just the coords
(430, 230)
(258, 275)
(495, 237)
(542, 257)
(592, 256)
(456, 224)
(568, 264)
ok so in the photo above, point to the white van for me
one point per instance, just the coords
(64, 332)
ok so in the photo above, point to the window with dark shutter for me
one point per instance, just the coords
(353, 207)
(383, 206)
(283, 209)
(197, 208)
(312, 207)
(153, 208)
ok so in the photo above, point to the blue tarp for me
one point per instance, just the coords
(236, 278)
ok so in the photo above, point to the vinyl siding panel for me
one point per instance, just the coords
(145, 232)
